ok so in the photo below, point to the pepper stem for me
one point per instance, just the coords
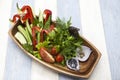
(18, 8)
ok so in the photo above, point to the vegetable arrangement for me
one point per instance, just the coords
(54, 42)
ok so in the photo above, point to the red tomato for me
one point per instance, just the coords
(46, 56)
(54, 51)
(59, 58)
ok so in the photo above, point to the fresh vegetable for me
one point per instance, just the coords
(59, 58)
(52, 42)
(25, 14)
(28, 13)
(25, 33)
(34, 40)
(47, 15)
(15, 18)
(46, 56)
(20, 38)
(55, 50)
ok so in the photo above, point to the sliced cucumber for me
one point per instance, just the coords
(28, 27)
(38, 37)
(28, 36)
(20, 38)
(25, 34)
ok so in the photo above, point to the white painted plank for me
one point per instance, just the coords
(92, 28)
(5, 8)
(40, 72)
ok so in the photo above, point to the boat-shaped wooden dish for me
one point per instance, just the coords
(86, 69)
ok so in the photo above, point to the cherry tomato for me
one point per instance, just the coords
(54, 51)
(46, 56)
(59, 58)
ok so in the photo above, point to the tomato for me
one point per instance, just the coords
(59, 58)
(54, 51)
(46, 56)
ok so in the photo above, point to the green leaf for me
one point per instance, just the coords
(68, 22)
(28, 47)
(42, 44)
(52, 34)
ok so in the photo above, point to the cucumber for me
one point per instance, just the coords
(22, 30)
(38, 37)
(28, 36)
(25, 34)
(29, 28)
(20, 38)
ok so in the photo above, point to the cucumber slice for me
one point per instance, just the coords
(28, 36)
(25, 33)
(20, 38)
(28, 27)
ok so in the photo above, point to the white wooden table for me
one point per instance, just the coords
(97, 21)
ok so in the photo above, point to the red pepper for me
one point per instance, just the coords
(15, 18)
(25, 17)
(47, 14)
(34, 40)
(29, 14)
(42, 35)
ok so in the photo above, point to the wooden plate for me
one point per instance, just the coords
(86, 69)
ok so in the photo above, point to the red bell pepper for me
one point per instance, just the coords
(28, 15)
(34, 40)
(42, 35)
(42, 32)
(15, 18)
(47, 13)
